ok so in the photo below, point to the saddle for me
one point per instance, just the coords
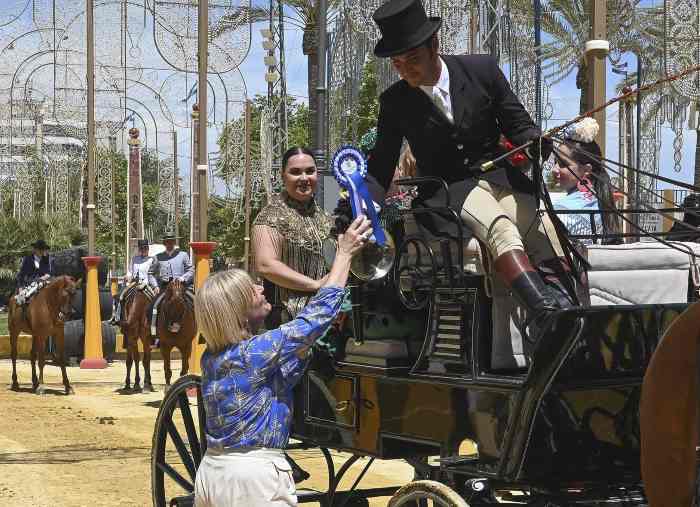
(134, 287)
(153, 317)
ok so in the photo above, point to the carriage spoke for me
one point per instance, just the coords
(175, 475)
(181, 449)
(184, 403)
(202, 421)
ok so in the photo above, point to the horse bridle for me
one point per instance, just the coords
(67, 309)
(183, 297)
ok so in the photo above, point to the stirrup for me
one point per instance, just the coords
(174, 327)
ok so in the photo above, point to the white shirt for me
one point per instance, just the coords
(440, 92)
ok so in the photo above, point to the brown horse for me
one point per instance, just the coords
(43, 317)
(176, 309)
(135, 328)
(668, 415)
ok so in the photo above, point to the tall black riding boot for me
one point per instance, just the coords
(527, 285)
(557, 275)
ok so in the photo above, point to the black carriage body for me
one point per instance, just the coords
(571, 418)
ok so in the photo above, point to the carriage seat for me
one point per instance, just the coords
(641, 273)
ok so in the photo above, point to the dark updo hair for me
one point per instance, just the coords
(590, 153)
(296, 150)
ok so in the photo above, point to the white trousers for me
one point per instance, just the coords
(244, 478)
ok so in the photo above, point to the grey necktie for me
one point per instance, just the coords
(441, 102)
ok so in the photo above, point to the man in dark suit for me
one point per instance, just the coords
(452, 110)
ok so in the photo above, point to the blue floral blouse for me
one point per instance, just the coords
(247, 387)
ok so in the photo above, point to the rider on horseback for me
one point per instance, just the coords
(139, 275)
(173, 264)
(35, 269)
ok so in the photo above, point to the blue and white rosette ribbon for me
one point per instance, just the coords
(350, 168)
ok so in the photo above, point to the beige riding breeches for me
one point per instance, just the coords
(506, 220)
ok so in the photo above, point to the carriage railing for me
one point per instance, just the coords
(595, 217)
(453, 278)
(595, 236)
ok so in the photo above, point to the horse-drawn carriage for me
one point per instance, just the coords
(481, 419)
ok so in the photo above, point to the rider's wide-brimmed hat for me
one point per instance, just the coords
(404, 25)
(169, 236)
(40, 244)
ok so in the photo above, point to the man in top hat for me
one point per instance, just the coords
(452, 110)
(139, 274)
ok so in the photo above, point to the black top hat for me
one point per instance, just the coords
(169, 236)
(142, 243)
(404, 26)
(40, 244)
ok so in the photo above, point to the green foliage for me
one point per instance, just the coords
(17, 236)
(223, 223)
(297, 133)
(225, 229)
(368, 99)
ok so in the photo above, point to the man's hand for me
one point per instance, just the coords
(540, 147)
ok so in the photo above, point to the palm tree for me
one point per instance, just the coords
(303, 15)
(566, 24)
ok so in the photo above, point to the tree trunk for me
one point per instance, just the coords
(309, 48)
(582, 84)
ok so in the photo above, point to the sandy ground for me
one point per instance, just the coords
(93, 448)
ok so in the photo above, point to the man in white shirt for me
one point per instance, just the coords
(140, 274)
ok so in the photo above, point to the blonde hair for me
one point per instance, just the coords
(221, 307)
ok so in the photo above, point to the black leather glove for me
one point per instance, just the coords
(343, 217)
(540, 147)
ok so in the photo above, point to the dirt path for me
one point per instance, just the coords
(93, 448)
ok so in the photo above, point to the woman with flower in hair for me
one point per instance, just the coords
(579, 173)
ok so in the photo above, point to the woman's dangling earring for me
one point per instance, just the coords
(585, 186)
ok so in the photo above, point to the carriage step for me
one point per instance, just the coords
(182, 501)
(306, 495)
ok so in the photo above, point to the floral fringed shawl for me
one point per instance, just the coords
(297, 231)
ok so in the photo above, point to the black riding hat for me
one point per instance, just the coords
(142, 243)
(40, 244)
(169, 236)
(404, 26)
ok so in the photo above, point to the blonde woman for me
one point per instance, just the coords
(247, 380)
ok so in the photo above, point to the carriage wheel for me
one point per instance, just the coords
(178, 443)
(415, 272)
(427, 493)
